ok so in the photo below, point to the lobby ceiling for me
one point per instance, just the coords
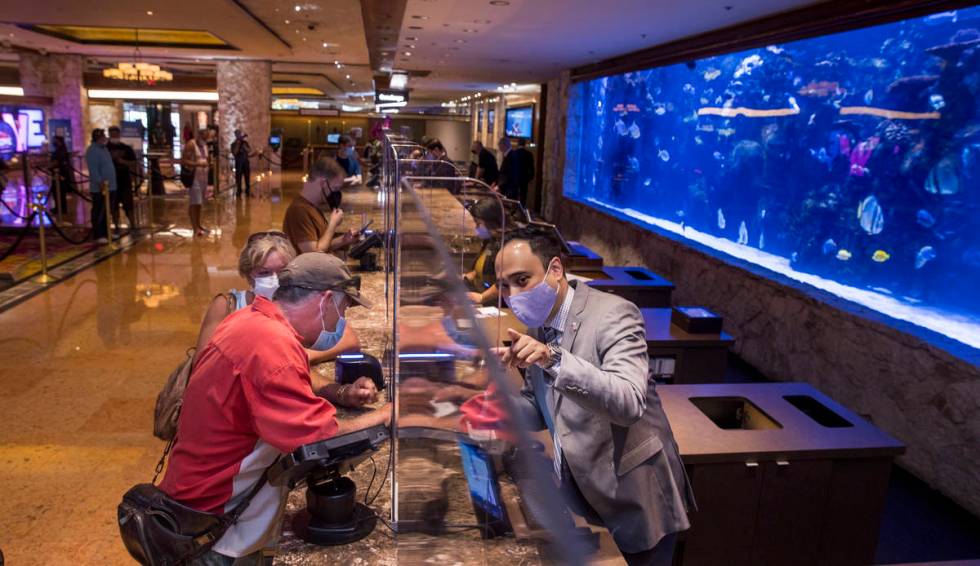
(452, 47)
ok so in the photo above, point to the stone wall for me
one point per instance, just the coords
(917, 392)
(245, 103)
(58, 76)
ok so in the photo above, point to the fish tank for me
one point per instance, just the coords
(848, 162)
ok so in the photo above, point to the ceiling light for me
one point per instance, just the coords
(348, 77)
(418, 17)
(325, 44)
(499, 3)
(415, 27)
(411, 46)
(287, 21)
(407, 53)
(11, 91)
(149, 12)
(297, 7)
(460, 41)
(411, 39)
(152, 94)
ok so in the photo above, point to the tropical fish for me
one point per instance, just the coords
(879, 63)
(942, 179)
(762, 241)
(706, 128)
(634, 130)
(869, 96)
(820, 88)
(880, 256)
(937, 102)
(688, 88)
(664, 155)
(748, 65)
(660, 109)
(721, 220)
(634, 164)
(925, 255)
(829, 247)
(647, 181)
(775, 49)
(621, 127)
(726, 132)
(717, 155)
(698, 140)
(870, 216)
(679, 213)
(843, 255)
(598, 142)
(925, 219)
(743, 234)
(711, 74)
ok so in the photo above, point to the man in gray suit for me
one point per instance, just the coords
(587, 382)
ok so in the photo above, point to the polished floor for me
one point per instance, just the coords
(80, 366)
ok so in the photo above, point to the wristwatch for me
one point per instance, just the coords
(555, 359)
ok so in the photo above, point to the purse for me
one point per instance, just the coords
(157, 530)
(171, 397)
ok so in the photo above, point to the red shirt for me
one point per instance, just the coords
(249, 398)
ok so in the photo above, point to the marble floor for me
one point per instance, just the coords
(81, 366)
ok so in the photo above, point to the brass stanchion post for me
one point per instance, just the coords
(57, 196)
(107, 207)
(44, 278)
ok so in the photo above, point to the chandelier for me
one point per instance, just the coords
(138, 71)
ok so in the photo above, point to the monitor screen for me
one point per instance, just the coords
(519, 122)
(482, 480)
(490, 119)
(333, 138)
(275, 140)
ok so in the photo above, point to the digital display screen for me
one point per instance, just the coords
(518, 122)
(482, 481)
(490, 119)
(275, 140)
(333, 138)
(21, 129)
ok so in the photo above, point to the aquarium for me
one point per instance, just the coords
(848, 162)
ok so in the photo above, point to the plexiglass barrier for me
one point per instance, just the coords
(468, 471)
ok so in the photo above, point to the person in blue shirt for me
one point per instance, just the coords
(348, 160)
(100, 170)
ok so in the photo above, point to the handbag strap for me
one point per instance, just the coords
(232, 517)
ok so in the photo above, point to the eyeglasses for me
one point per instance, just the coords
(267, 233)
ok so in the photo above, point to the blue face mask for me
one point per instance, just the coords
(533, 306)
(328, 340)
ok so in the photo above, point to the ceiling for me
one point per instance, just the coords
(454, 47)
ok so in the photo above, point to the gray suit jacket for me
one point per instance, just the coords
(614, 435)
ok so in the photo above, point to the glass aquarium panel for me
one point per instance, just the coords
(849, 162)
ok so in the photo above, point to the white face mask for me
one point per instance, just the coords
(266, 286)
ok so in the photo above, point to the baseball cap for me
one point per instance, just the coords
(320, 271)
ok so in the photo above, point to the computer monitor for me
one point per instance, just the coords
(333, 138)
(481, 475)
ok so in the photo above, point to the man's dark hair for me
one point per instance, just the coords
(292, 295)
(544, 244)
(489, 211)
(435, 144)
(327, 168)
(345, 140)
(114, 129)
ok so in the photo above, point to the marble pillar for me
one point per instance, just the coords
(244, 102)
(59, 77)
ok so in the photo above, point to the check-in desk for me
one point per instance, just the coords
(581, 258)
(683, 357)
(638, 285)
(782, 475)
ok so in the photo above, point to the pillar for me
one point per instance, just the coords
(244, 102)
(59, 77)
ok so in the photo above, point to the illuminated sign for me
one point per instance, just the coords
(24, 129)
(390, 97)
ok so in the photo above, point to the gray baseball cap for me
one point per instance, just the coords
(320, 271)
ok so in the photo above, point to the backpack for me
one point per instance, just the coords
(171, 397)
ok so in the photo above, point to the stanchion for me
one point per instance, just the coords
(57, 196)
(44, 278)
(107, 207)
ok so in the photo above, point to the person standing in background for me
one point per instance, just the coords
(100, 170)
(348, 160)
(241, 151)
(124, 160)
(526, 160)
(195, 156)
(486, 164)
(511, 173)
(62, 167)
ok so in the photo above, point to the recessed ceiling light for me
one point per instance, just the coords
(410, 46)
(149, 12)
(499, 3)
(297, 7)
(415, 27)
(411, 39)
(287, 22)
(460, 41)
(325, 44)
(407, 53)
(418, 17)
(348, 77)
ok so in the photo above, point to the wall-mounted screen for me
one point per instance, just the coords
(333, 138)
(491, 115)
(848, 162)
(519, 122)
(21, 129)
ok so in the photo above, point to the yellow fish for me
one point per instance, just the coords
(880, 256)
(843, 255)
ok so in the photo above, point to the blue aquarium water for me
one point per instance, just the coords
(850, 162)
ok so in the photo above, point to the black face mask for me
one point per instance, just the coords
(333, 200)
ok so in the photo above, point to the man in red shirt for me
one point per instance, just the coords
(249, 399)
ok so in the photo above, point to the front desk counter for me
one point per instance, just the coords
(638, 285)
(438, 459)
(691, 358)
(781, 473)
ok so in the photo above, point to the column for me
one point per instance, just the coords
(59, 77)
(244, 102)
